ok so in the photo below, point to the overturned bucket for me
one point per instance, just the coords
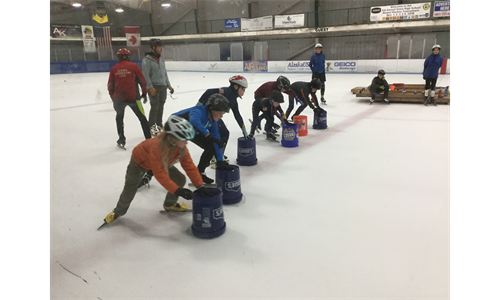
(247, 155)
(320, 121)
(290, 136)
(301, 122)
(228, 182)
(208, 215)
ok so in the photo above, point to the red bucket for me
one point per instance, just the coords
(301, 122)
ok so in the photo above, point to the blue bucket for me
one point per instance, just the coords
(290, 136)
(320, 121)
(208, 215)
(229, 183)
(247, 156)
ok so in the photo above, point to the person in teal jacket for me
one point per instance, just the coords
(153, 68)
(317, 66)
(204, 119)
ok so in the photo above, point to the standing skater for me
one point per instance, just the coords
(235, 90)
(205, 121)
(379, 85)
(432, 65)
(302, 90)
(153, 67)
(123, 89)
(160, 154)
(317, 65)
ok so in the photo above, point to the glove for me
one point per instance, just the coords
(224, 166)
(283, 115)
(276, 126)
(298, 101)
(184, 193)
(212, 139)
(245, 134)
(250, 135)
(144, 98)
(204, 192)
(152, 91)
(171, 90)
(424, 77)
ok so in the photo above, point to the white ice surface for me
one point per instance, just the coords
(359, 210)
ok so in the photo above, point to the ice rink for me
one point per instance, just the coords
(360, 210)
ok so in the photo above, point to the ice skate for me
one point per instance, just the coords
(371, 101)
(155, 130)
(206, 179)
(121, 144)
(177, 207)
(323, 101)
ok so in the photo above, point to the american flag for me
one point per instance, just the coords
(103, 38)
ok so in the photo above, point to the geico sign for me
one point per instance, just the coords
(345, 64)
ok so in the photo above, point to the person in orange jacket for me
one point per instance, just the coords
(123, 81)
(159, 154)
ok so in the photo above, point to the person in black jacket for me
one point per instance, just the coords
(270, 107)
(302, 90)
(379, 85)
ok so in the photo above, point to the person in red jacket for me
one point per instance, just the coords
(122, 86)
(160, 154)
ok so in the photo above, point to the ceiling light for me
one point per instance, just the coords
(120, 10)
(166, 5)
(77, 5)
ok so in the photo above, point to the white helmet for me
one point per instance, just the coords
(239, 80)
(318, 45)
(436, 46)
(180, 128)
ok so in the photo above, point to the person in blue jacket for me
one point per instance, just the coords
(317, 66)
(204, 119)
(432, 65)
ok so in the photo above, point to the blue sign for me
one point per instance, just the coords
(255, 66)
(232, 23)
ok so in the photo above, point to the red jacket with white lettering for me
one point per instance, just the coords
(123, 79)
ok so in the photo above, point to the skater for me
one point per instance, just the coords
(379, 85)
(317, 66)
(205, 121)
(432, 65)
(153, 67)
(282, 84)
(269, 106)
(302, 90)
(237, 87)
(123, 90)
(160, 154)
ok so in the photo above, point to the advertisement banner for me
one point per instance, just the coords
(298, 66)
(263, 23)
(341, 66)
(289, 21)
(255, 66)
(231, 23)
(441, 9)
(400, 12)
(65, 31)
(88, 38)
(133, 36)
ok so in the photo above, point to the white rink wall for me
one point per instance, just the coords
(405, 66)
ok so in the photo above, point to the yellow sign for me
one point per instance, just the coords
(100, 20)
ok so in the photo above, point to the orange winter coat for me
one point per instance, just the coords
(148, 155)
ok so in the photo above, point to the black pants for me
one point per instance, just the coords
(322, 78)
(224, 134)
(430, 83)
(377, 90)
(119, 106)
(209, 151)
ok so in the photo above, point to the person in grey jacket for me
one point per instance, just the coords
(153, 68)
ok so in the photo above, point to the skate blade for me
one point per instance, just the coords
(165, 211)
(205, 184)
(121, 147)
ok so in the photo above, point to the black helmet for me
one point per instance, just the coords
(276, 96)
(316, 83)
(155, 42)
(218, 102)
(283, 82)
(381, 72)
